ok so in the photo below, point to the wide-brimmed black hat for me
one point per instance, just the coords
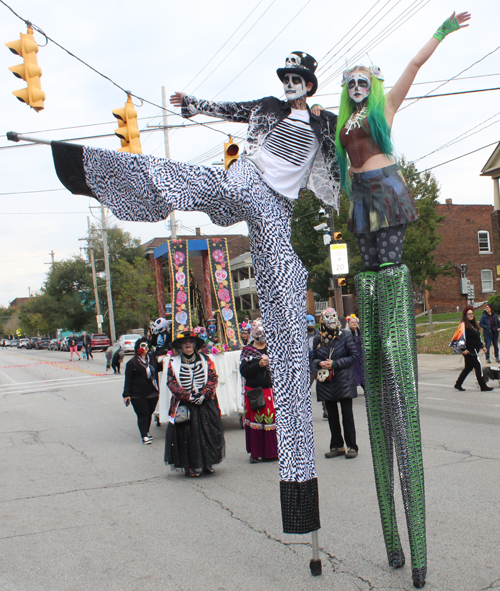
(302, 64)
(198, 342)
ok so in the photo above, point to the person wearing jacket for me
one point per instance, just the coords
(473, 345)
(333, 357)
(87, 345)
(288, 148)
(198, 443)
(260, 424)
(491, 325)
(114, 357)
(141, 387)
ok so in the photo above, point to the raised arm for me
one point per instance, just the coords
(398, 92)
(230, 111)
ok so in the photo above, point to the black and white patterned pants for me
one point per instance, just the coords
(144, 188)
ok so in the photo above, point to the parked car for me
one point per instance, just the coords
(13, 343)
(31, 344)
(42, 343)
(127, 342)
(100, 341)
(53, 345)
(64, 344)
(23, 343)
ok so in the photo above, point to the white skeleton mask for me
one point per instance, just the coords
(294, 86)
(292, 61)
(358, 86)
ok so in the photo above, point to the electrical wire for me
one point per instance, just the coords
(261, 52)
(127, 92)
(224, 45)
(457, 158)
(240, 41)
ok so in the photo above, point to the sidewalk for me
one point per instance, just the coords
(447, 362)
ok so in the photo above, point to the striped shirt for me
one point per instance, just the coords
(288, 153)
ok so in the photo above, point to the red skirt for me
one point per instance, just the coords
(260, 428)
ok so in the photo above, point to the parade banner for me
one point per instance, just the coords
(220, 272)
(178, 259)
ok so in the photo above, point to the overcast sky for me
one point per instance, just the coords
(144, 46)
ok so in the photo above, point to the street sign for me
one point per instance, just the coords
(99, 318)
(339, 259)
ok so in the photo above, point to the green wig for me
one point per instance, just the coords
(380, 130)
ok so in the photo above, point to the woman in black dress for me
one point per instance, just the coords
(195, 439)
(141, 387)
(473, 344)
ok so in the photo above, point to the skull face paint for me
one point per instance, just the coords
(294, 86)
(358, 86)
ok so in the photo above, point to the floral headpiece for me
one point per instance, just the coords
(374, 70)
(352, 317)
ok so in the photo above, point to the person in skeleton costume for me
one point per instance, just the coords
(380, 208)
(162, 329)
(288, 147)
(198, 443)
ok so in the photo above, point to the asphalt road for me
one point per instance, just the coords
(85, 506)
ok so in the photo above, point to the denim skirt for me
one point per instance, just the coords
(380, 199)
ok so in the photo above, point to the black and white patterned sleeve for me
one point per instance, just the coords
(229, 111)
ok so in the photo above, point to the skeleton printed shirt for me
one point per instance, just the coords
(262, 117)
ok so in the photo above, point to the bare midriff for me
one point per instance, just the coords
(364, 153)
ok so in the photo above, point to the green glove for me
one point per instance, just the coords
(334, 364)
(446, 28)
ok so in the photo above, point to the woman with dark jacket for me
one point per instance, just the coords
(473, 345)
(260, 424)
(490, 325)
(333, 357)
(141, 387)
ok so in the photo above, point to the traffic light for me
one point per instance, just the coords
(231, 153)
(27, 48)
(337, 235)
(128, 130)
(341, 282)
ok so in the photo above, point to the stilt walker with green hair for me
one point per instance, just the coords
(381, 206)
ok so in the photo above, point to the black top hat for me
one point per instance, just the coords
(302, 64)
(176, 343)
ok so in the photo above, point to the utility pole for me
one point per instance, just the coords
(51, 254)
(94, 278)
(108, 275)
(173, 227)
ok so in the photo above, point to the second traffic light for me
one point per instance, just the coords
(27, 48)
(128, 129)
(341, 282)
(231, 153)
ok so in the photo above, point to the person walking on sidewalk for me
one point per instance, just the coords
(141, 387)
(491, 325)
(473, 345)
(334, 354)
(73, 346)
(87, 345)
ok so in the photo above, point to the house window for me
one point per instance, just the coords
(483, 239)
(487, 280)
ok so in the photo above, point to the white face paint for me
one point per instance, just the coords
(358, 86)
(294, 86)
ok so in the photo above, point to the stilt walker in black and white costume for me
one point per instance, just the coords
(287, 148)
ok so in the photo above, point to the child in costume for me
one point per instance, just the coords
(380, 208)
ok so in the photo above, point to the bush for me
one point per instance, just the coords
(494, 302)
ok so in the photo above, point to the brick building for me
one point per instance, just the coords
(468, 238)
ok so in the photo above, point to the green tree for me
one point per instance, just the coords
(5, 315)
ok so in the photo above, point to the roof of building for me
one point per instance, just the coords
(492, 166)
(243, 259)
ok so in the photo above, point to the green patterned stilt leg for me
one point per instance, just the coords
(379, 420)
(399, 351)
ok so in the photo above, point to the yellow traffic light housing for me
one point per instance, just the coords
(341, 282)
(231, 153)
(128, 129)
(27, 48)
(337, 235)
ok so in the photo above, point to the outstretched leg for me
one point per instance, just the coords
(378, 413)
(398, 338)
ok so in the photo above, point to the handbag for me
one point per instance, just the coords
(256, 398)
(325, 375)
(182, 414)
